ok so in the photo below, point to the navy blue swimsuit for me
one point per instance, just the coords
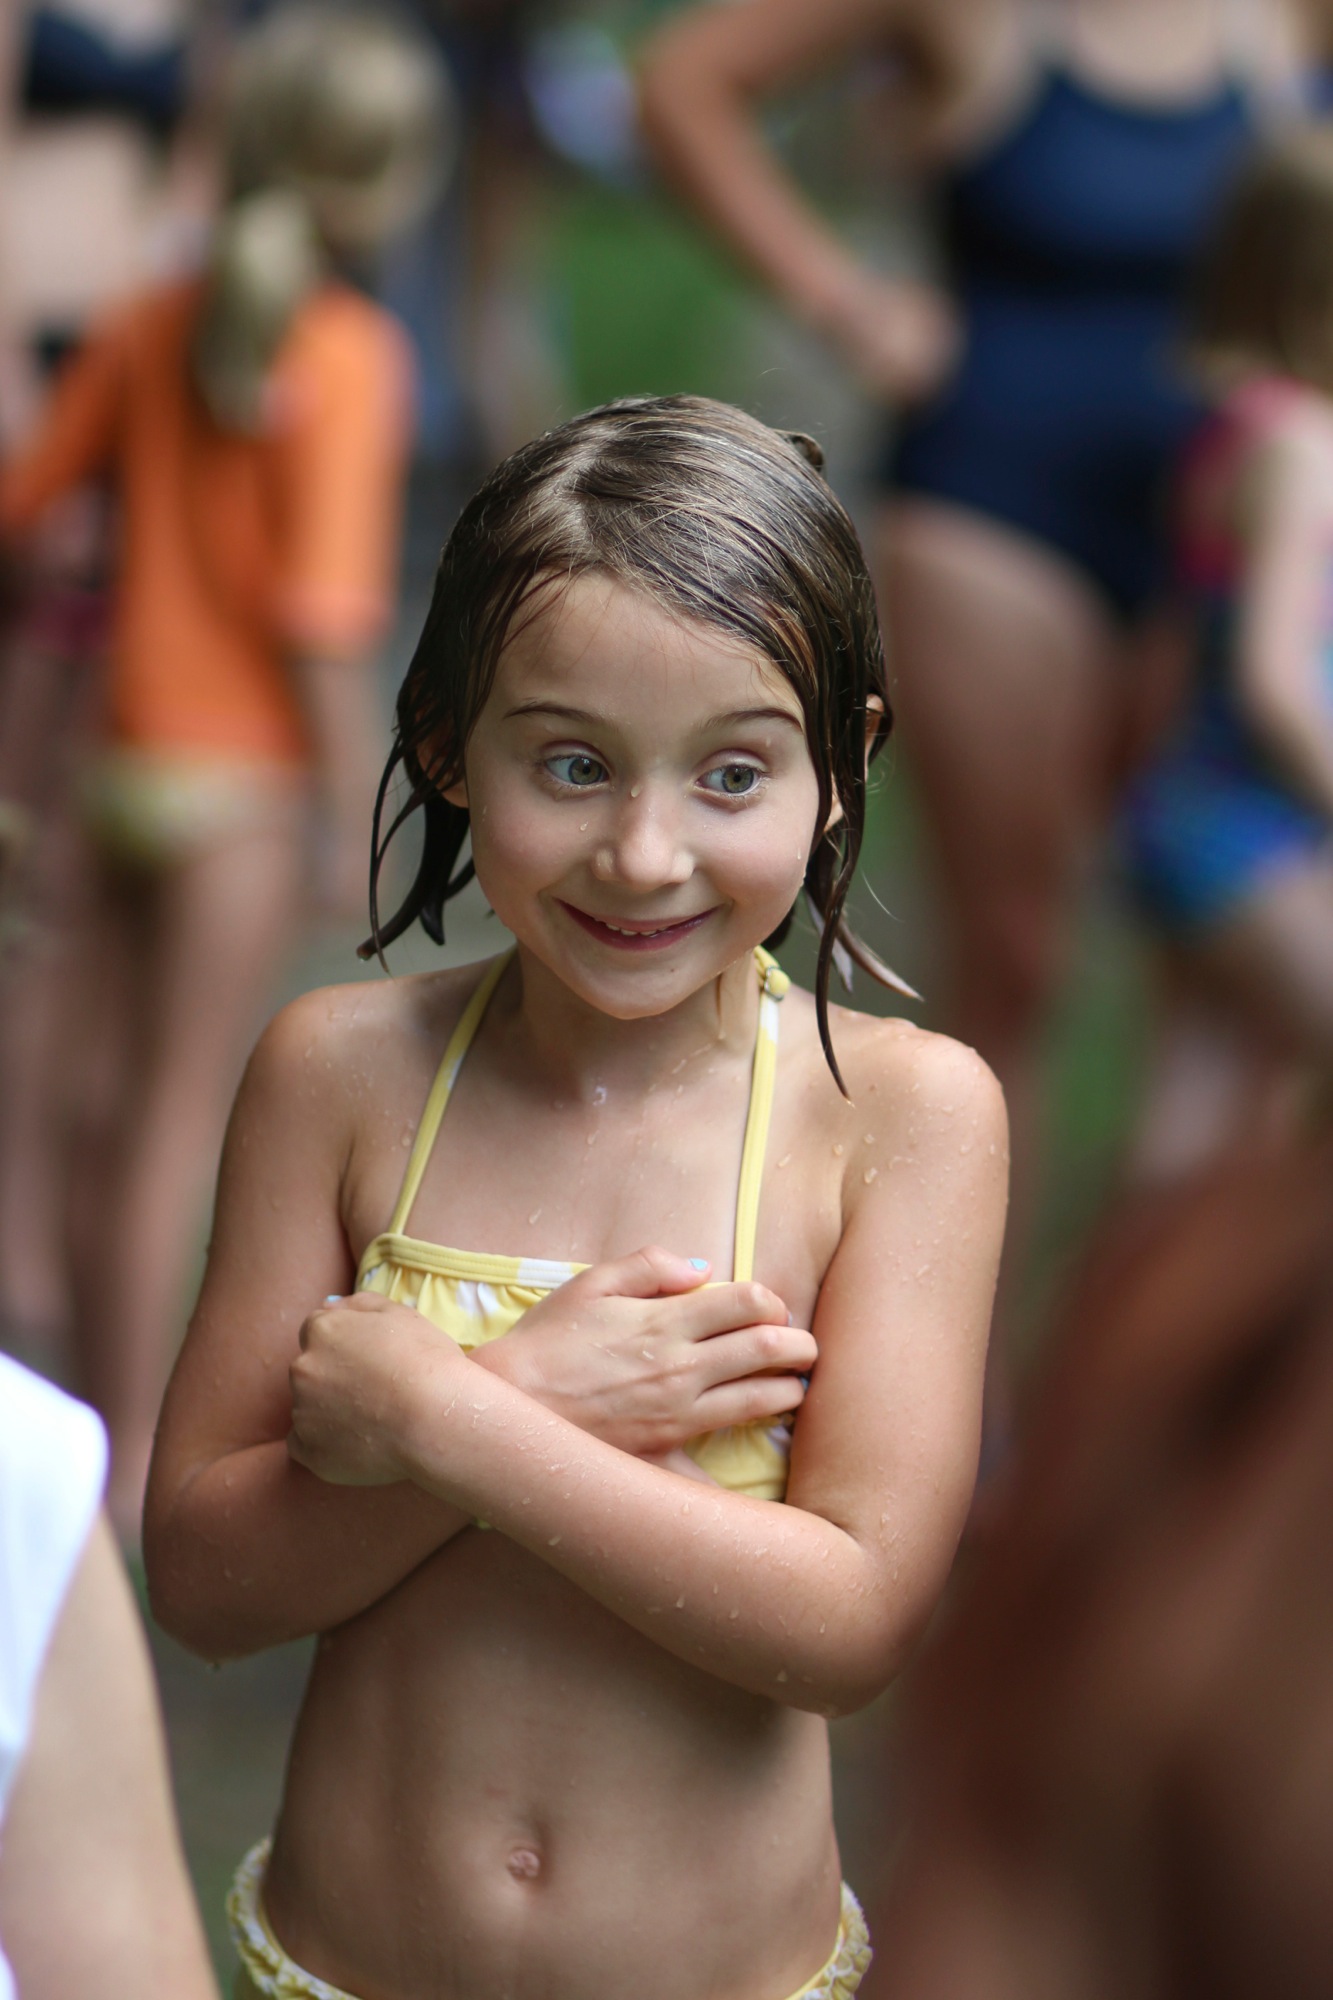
(1069, 240)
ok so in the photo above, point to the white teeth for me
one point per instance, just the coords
(620, 931)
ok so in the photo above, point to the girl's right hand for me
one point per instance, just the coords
(645, 1354)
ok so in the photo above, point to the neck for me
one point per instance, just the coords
(578, 1051)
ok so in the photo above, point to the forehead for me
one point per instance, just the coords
(615, 650)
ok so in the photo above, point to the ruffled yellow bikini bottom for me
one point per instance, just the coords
(267, 1970)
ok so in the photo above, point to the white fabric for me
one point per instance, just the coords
(52, 1469)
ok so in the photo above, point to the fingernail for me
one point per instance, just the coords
(334, 1299)
(699, 1263)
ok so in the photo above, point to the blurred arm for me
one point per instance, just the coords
(1285, 656)
(75, 436)
(94, 1895)
(702, 80)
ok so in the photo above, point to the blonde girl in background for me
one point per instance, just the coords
(256, 423)
(1230, 831)
(105, 186)
(589, 1564)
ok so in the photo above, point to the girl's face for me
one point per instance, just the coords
(642, 798)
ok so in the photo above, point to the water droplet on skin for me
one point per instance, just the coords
(599, 1095)
(583, 826)
(634, 791)
(870, 1174)
(838, 1152)
(785, 1161)
(554, 1542)
(781, 1674)
(591, 1139)
(966, 1146)
(734, 1612)
(535, 1214)
(869, 1139)
(680, 1604)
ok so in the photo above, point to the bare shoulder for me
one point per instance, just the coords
(914, 1100)
(919, 1078)
(1290, 468)
(339, 1047)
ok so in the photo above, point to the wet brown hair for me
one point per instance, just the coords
(720, 520)
(1263, 287)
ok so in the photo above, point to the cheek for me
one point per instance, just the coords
(518, 843)
(763, 855)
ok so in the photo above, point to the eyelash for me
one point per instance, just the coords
(549, 765)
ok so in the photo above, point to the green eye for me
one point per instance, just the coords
(577, 769)
(734, 781)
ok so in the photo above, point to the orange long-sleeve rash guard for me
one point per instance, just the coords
(236, 550)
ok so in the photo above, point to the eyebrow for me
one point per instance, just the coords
(735, 717)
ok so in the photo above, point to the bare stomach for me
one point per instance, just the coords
(498, 1791)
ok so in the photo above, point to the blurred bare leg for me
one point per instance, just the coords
(1202, 1090)
(1276, 956)
(46, 705)
(1001, 657)
(1248, 1010)
(219, 923)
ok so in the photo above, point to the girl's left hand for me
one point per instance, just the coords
(355, 1383)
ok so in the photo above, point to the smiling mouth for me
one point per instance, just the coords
(631, 935)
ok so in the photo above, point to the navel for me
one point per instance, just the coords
(524, 1864)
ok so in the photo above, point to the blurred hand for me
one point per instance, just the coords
(645, 1354)
(900, 338)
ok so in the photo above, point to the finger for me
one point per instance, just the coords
(720, 1308)
(761, 1399)
(756, 1350)
(649, 1273)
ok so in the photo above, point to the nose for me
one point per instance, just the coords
(645, 848)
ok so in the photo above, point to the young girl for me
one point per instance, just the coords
(1229, 830)
(564, 1734)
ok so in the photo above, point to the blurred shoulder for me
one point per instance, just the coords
(1288, 457)
(340, 328)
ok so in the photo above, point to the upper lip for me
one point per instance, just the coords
(640, 926)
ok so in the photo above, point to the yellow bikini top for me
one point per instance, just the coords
(474, 1297)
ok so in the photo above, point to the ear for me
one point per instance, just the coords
(874, 722)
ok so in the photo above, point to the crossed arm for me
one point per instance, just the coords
(811, 1603)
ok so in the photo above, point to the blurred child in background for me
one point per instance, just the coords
(105, 187)
(257, 426)
(1228, 831)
